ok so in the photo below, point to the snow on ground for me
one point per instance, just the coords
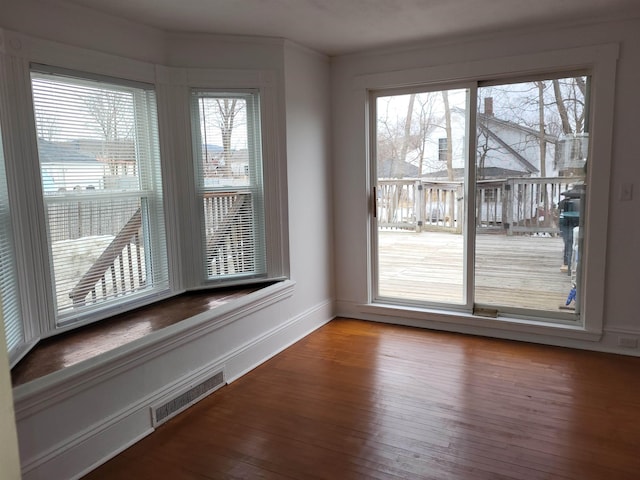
(73, 258)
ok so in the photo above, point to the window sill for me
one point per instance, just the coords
(70, 379)
(502, 327)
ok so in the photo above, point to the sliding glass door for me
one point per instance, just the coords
(532, 149)
(479, 195)
(421, 163)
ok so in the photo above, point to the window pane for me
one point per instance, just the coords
(421, 155)
(227, 150)
(100, 171)
(9, 300)
(532, 149)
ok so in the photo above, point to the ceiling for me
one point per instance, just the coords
(341, 26)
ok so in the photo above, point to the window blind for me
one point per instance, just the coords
(9, 300)
(100, 171)
(227, 152)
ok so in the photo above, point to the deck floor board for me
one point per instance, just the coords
(513, 271)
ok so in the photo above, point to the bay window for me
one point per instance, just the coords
(10, 310)
(82, 204)
(228, 168)
(101, 182)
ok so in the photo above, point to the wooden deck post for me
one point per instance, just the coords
(419, 205)
(507, 213)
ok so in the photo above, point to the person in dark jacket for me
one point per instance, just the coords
(569, 218)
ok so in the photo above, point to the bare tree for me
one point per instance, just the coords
(429, 120)
(403, 129)
(46, 125)
(112, 112)
(542, 138)
(483, 148)
(406, 139)
(225, 115)
(447, 127)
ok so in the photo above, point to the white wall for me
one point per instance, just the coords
(350, 169)
(307, 88)
(76, 25)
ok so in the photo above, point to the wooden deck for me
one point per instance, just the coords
(513, 271)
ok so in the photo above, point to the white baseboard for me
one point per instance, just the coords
(90, 446)
(278, 339)
(606, 342)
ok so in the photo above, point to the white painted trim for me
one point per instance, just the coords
(94, 445)
(40, 393)
(47, 52)
(621, 331)
(71, 460)
(311, 320)
(440, 318)
(600, 61)
(173, 106)
(113, 454)
(86, 434)
(570, 337)
(570, 59)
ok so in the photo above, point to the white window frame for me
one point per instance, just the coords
(176, 86)
(23, 172)
(254, 188)
(600, 61)
(172, 85)
(13, 324)
(153, 236)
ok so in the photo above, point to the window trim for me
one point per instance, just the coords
(86, 315)
(179, 84)
(600, 61)
(254, 187)
(17, 53)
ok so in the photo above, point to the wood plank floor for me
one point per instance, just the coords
(515, 271)
(363, 400)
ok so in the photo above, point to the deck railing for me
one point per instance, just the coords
(121, 269)
(229, 233)
(418, 205)
(514, 205)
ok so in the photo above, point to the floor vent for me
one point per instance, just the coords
(170, 408)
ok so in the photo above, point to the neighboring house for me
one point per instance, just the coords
(222, 170)
(65, 167)
(504, 149)
(391, 168)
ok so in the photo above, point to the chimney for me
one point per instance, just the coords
(488, 106)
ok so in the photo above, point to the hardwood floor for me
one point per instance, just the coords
(365, 400)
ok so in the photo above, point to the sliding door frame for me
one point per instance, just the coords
(468, 232)
(601, 61)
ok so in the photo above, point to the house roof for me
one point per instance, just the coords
(526, 164)
(58, 152)
(492, 119)
(389, 168)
